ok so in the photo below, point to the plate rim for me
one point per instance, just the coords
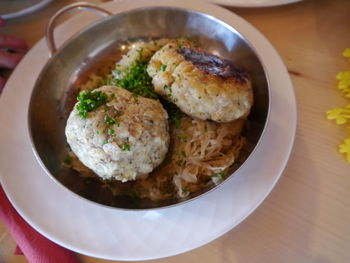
(246, 4)
(25, 11)
(277, 176)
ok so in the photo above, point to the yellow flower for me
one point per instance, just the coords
(343, 75)
(340, 115)
(345, 148)
(344, 81)
(346, 53)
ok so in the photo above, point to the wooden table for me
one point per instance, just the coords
(306, 218)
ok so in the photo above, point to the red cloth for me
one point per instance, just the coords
(18, 251)
(35, 247)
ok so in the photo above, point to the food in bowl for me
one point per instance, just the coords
(90, 60)
(201, 153)
(204, 142)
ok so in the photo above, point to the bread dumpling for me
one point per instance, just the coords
(123, 139)
(202, 85)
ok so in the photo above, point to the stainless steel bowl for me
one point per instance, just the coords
(55, 90)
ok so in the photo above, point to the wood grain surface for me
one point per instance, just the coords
(306, 217)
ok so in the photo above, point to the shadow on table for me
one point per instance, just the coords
(281, 229)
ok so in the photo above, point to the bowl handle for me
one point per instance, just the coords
(49, 35)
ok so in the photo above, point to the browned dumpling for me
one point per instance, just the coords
(202, 85)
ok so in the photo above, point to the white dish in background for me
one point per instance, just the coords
(114, 234)
(254, 3)
(15, 8)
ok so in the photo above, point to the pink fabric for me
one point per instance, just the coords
(35, 247)
(18, 251)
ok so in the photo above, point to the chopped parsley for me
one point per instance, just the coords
(137, 80)
(220, 175)
(175, 116)
(89, 101)
(163, 67)
(126, 147)
(111, 132)
(108, 120)
(174, 113)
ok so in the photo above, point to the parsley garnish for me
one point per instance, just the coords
(89, 101)
(175, 116)
(137, 80)
(174, 113)
(126, 147)
(111, 132)
(108, 120)
(220, 175)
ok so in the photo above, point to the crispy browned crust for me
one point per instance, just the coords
(214, 65)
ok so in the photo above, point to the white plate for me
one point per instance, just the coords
(16, 8)
(102, 232)
(254, 3)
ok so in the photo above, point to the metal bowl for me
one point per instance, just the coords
(55, 90)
